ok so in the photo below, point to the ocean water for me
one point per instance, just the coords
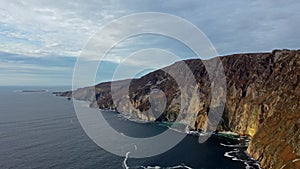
(40, 130)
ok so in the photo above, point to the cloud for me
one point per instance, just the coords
(30, 74)
(23, 70)
(45, 23)
(62, 28)
(48, 32)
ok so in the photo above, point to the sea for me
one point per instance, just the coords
(41, 130)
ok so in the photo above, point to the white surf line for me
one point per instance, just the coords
(233, 145)
(227, 154)
(177, 130)
(246, 162)
(174, 167)
(180, 166)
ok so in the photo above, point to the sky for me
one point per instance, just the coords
(40, 40)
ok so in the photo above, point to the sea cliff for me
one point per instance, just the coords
(262, 101)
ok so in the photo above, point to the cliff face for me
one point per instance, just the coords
(262, 100)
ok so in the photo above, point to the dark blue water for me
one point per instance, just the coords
(40, 130)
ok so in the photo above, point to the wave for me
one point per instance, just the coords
(234, 145)
(177, 130)
(238, 155)
(174, 167)
(228, 154)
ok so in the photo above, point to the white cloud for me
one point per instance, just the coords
(40, 28)
(54, 27)
(63, 27)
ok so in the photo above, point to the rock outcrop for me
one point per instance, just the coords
(262, 101)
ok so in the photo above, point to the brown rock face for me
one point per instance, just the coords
(262, 100)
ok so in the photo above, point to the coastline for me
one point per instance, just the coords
(238, 154)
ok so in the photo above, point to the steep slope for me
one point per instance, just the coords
(262, 101)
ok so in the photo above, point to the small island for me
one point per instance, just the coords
(33, 91)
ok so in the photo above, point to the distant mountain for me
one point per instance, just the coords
(262, 101)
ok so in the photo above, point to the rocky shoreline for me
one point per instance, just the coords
(262, 101)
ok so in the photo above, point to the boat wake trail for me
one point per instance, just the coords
(125, 165)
